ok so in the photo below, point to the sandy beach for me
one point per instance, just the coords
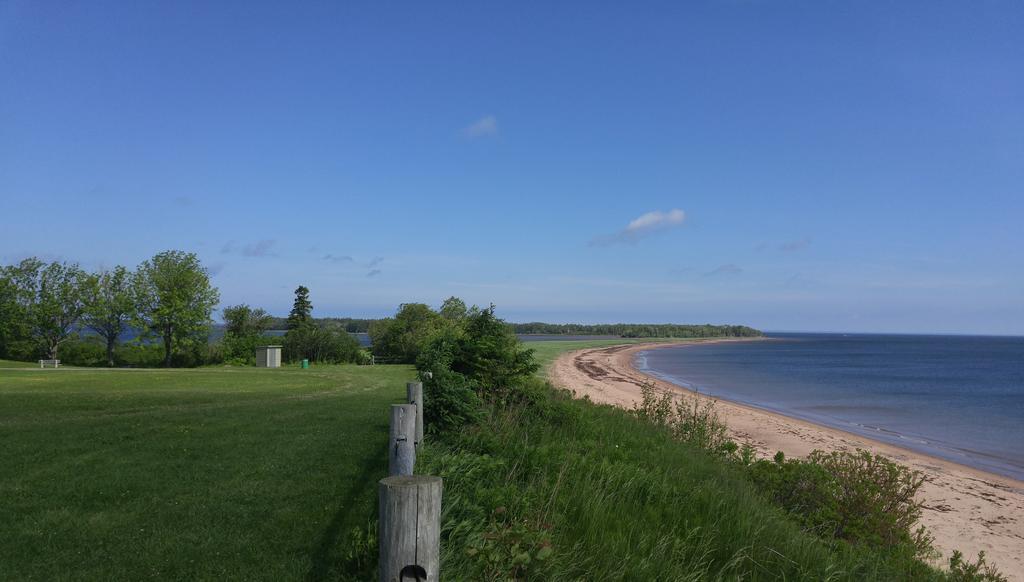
(965, 508)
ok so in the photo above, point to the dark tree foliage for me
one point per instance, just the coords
(18, 286)
(319, 344)
(475, 361)
(401, 338)
(244, 327)
(302, 309)
(109, 306)
(307, 340)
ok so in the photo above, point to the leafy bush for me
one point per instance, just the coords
(691, 420)
(806, 490)
(84, 351)
(858, 497)
(978, 571)
(875, 500)
(473, 360)
(243, 333)
(401, 339)
(318, 344)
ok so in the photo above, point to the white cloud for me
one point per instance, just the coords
(486, 126)
(655, 220)
(642, 226)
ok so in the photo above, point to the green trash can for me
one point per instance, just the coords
(305, 364)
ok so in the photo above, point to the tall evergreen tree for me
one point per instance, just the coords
(302, 310)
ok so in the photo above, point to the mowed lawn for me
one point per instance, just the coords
(221, 473)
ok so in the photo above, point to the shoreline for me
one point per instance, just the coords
(967, 509)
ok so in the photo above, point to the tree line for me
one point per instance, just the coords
(43, 306)
(58, 310)
(637, 330)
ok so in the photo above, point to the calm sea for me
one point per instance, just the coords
(956, 397)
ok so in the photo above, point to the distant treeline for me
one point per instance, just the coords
(637, 330)
(349, 324)
(626, 330)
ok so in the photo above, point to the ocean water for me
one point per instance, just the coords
(960, 398)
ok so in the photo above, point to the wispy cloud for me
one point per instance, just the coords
(486, 126)
(374, 262)
(642, 226)
(260, 248)
(795, 245)
(337, 258)
(728, 269)
(373, 273)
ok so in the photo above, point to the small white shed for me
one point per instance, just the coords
(268, 357)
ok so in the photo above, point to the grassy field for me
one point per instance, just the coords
(12, 364)
(189, 474)
(546, 352)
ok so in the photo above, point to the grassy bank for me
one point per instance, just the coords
(190, 474)
(590, 492)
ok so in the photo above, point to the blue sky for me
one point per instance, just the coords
(837, 166)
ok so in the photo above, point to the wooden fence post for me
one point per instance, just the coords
(415, 393)
(402, 449)
(410, 528)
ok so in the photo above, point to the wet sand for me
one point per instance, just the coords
(965, 508)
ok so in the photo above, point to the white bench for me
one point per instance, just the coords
(50, 363)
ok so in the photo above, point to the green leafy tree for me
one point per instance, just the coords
(401, 338)
(453, 309)
(58, 305)
(302, 309)
(478, 360)
(19, 285)
(174, 299)
(17, 290)
(244, 330)
(109, 306)
(321, 344)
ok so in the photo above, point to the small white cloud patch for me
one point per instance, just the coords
(484, 127)
(642, 226)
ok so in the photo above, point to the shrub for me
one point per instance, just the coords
(84, 351)
(472, 361)
(691, 420)
(978, 571)
(319, 344)
(401, 339)
(858, 497)
(806, 490)
(452, 397)
(875, 500)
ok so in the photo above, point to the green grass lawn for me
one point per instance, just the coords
(215, 473)
(13, 364)
(546, 352)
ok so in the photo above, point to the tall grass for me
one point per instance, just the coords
(580, 490)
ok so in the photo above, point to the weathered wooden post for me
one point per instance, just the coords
(402, 449)
(415, 393)
(410, 528)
